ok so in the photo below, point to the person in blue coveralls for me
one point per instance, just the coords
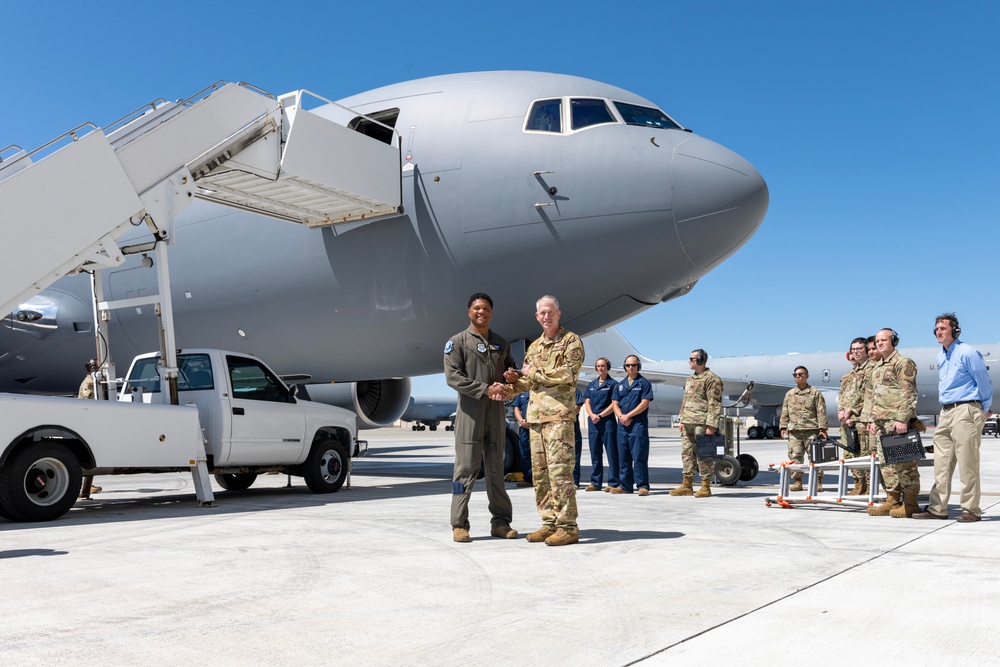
(523, 438)
(603, 427)
(631, 400)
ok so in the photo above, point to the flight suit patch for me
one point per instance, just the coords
(448, 347)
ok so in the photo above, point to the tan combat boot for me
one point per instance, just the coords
(909, 506)
(562, 538)
(891, 503)
(706, 488)
(541, 534)
(864, 486)
(797, 485)
(686, 488)
(461, 535)
(856, 491)
(505, 532)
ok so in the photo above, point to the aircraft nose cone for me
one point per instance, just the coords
(719, 200)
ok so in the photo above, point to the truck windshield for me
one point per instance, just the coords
(195, 373)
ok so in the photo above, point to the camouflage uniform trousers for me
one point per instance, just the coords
(689, 452)
(865, 445)
(553, 457)
(897, 477)
(797, 450)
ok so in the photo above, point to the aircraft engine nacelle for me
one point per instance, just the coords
(377, 403)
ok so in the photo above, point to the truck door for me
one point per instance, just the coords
(268, 426)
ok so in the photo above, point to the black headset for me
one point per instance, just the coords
(953, 321)
(895, 336)
(701, 358)
(638, 361)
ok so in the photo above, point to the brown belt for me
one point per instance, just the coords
(949, 406)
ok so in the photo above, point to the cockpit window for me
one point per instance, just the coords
(545, 116)
(589, 112)
(646, 116)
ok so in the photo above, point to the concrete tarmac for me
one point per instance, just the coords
(371, 576)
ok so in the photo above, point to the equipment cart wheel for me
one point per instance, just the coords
(748, 467)
(728, 470)
(325, 470)
(40, 482)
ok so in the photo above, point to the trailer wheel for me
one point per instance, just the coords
(748, 467)
(236, 481)
(728, 470)
(325, 470)
(40, 483)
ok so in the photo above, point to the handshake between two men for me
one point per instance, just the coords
(498, 391)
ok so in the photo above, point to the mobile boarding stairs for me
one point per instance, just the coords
(65, 206)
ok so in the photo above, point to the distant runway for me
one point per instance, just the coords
(370, 575)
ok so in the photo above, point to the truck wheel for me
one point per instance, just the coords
(40, 483)
(325, 470)
(236, 481)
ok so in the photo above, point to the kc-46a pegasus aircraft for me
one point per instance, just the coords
(509, 181)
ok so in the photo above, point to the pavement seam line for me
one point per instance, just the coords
(793, 593)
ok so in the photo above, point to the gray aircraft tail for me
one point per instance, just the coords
(611, 344)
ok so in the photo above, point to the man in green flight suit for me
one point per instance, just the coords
(474, 362)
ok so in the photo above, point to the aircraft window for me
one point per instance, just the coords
(365, 125)
(194, 374)
(545, 116)
(646, 116)
(254, 382)
(589, 112)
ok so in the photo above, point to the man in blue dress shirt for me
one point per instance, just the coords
(602, 429)
(630, 400)
(966, 393)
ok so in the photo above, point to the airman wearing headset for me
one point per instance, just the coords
(891, 404)
(630, 401)
(701, 409)
(966, 395)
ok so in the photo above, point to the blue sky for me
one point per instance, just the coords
(874, 124)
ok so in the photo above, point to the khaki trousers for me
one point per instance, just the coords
(956, 441)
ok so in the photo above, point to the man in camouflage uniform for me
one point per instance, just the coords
(87, 391)
(849, 405)
(864, 417)
(474, 362)
(803, 417)
(701, 409)
(551, 366)
(891, 404)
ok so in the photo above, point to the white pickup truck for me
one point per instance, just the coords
(235, 414)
